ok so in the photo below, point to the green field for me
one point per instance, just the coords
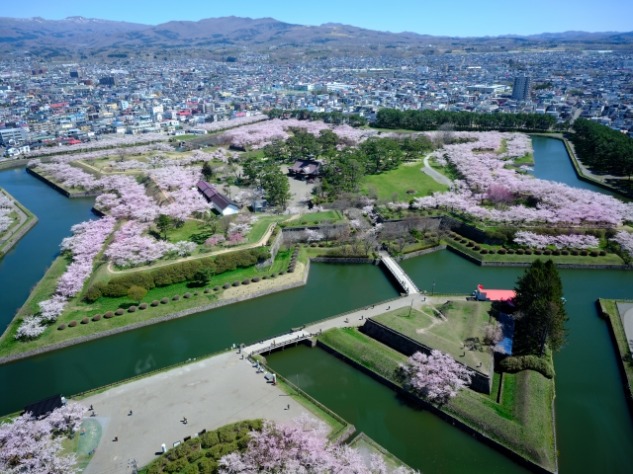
(402, 184)
(461, 334)
(331, 216)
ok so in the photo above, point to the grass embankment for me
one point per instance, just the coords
(77, 309)
(609, 311)
(402, 184)
(521, 421)
(460, 334)
(609, 259)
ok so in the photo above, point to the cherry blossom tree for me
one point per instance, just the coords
(436, 377)
(28, 445)
(540, 241)
(300, 447)
(625, 241)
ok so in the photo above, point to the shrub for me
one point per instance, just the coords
(226, 286)
(195, 293)
(108, 314)
(584, 253)
(520, 252)
(96, 317)
(282, 272)
(119, 312)
(291, 269)
(92, 294)
(527, 362)
(255, 279)
(556, 252)
(206, 290)
(131, 309)
(510, 251)
(61, 327)
(538, 252)
(470, 244)
(575, 253)
(603, 253)
(246, 281)
(187, 295)
(175, 297)
(594, 253)
(265, 277)
(501, 251)
(236, 283)
(155, 303)
(164, 300)
(216, 288)
(547, 252)
(484, 251)
(564, 252)
(85, 321)
(72, 324)
(142, 306)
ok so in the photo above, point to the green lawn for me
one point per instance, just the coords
(465, 322)
(331, 216)
(523, 421)
(394, 185)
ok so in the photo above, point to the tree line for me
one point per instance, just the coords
(425, 120)
(335, 117)
(603, 149)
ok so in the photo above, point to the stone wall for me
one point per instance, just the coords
(480, 382)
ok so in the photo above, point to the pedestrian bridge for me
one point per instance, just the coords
(399, 274)
(276, 343)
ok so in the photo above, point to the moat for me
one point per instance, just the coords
(594, 428)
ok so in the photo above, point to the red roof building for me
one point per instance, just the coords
(482, 294)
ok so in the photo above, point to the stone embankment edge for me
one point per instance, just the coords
(31, 220)
(442, 414)
(149, 322)
(620, 351)
(59, 189)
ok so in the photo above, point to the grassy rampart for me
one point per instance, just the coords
(521, 422)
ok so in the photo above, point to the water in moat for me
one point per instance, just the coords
(593, 422)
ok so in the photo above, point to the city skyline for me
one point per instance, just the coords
(457, 18)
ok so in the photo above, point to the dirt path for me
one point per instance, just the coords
(437, 176)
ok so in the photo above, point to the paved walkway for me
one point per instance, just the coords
(210, 393)
(436, 175)
(399, 274)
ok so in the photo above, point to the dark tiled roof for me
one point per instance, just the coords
(214, 196)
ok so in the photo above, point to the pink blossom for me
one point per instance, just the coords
(436, 377)
(28, 445)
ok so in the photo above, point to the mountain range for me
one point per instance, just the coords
(76, 37)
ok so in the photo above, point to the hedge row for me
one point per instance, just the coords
(527, 362)
(177, 273)
(202, 453)
(527, 251)
(106, 315)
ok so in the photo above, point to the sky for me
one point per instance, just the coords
(434, 17)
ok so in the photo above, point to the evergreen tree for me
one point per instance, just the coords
(540, 313)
